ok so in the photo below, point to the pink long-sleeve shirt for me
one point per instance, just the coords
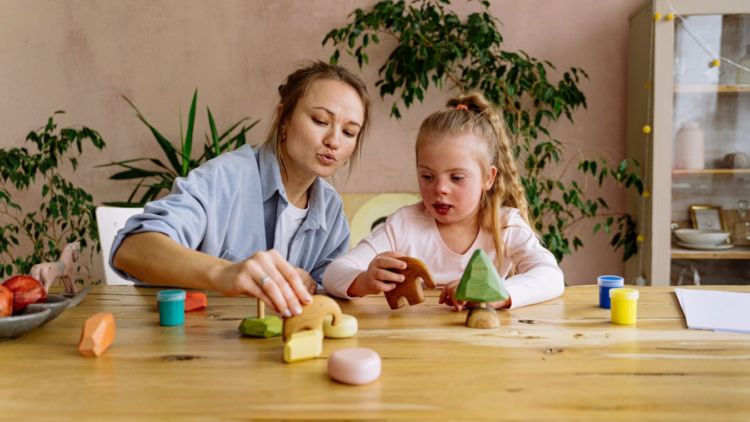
(412, 231)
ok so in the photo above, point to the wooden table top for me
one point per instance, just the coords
(558, 360)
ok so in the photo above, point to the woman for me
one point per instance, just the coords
(259, 222)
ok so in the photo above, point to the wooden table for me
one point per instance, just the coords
(558, 360)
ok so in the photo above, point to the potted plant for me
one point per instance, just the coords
(65, 213)
(160, 177)
(434, 47)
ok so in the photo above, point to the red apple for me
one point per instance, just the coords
(6, 301)
(26, 290)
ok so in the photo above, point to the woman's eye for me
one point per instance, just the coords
(349, 134)
(319, 122)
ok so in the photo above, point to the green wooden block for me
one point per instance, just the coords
(480, 281)
(270, 326)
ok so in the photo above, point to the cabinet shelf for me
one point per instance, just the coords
(712, 172)
(738, 252)
(720, 89)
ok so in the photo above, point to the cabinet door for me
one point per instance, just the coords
(711, 147)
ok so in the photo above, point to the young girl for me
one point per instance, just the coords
(471, 198)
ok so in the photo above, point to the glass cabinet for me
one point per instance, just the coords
(689, 127)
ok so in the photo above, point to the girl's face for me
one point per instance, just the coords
(322, 131)
(451, 180)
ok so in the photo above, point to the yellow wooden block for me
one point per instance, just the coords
(346, 327)
(303, 345)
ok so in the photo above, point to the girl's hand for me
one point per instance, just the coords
(267, 276)
(448, 296)
(380, 275)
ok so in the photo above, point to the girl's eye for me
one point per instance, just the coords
(426, 177)
(457, 178)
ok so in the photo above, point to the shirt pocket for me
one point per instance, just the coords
(229, 255)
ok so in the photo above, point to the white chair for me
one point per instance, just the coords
(109, 220)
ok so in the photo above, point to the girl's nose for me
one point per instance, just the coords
(441, 186)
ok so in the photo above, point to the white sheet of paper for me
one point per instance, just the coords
(715, 310)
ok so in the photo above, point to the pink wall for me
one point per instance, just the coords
(82, 56)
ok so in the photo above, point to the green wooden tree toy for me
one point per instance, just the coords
(481, 283)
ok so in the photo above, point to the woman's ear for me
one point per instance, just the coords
(491, 175)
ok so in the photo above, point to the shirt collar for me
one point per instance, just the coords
(270, 180)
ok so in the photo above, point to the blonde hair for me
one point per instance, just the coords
(296, 86)
(475, 115)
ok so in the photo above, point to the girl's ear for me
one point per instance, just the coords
(491, 175)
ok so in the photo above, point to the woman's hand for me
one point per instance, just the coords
(310, 284)
(380, 275)
(267, 276)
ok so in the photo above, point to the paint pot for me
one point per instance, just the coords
(606, 283)
(171, 307)
(624, 305)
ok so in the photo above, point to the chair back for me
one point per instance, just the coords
(109, 220)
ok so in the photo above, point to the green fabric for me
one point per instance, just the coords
(480, 281)
(270, 326)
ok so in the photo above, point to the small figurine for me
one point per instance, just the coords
(481, 283)
(303, 345)
(312, 316)
(59, 271)
(410, 290)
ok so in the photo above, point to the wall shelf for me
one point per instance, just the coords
(719, 89)
(738, 252)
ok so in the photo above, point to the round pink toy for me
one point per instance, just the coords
(356, 365)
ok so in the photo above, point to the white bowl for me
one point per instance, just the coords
(701, 237)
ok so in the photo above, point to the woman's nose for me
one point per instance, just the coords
(332, 139)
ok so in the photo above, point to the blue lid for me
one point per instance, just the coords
(171, 295)
(610, 281)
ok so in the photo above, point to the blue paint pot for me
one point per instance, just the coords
(607, 282)
(171, 307)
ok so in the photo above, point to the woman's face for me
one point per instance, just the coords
(322, 131)
(451, 180)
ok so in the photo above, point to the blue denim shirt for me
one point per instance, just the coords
(229, 206)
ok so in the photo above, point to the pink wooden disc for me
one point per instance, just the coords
(356, 365)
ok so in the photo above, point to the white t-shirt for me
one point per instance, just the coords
(289, 222)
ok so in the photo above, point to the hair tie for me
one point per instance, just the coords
(462, 107)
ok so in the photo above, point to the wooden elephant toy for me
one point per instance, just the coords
(312, 316)
(410, 290)
(61, 270)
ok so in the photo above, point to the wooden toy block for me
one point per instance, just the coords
(312, 316)
(97, 335)
(355, 366)
(303, 345)
(480, 281)
(195, 301)
(347, 327)
(410, 290)
(482, 317)
(266, 327)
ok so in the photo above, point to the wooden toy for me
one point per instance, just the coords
(354, 366)
(195, 301)
(312, 316)
(481, 283)
(261, 326)
(97, 335)
(347, 327)
(304, 345)
(59, 271)
(410, 290)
